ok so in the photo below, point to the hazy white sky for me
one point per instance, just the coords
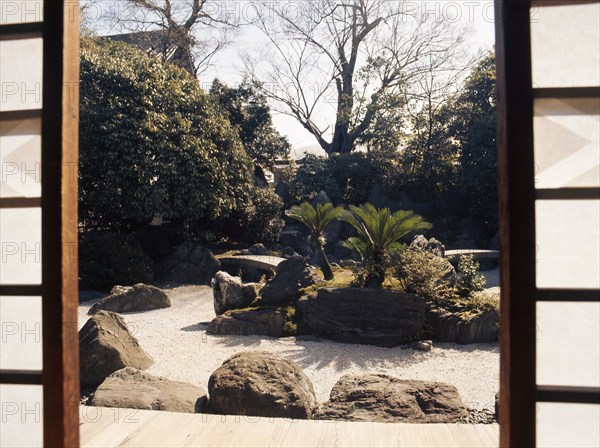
(478, 15)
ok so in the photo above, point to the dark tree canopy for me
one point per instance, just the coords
(152, 143)
(473, 127)
(250, 113)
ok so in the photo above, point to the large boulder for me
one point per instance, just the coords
(258, 249)
(230, 293)
(429, 245)
(250, 290)
(364, 316)
(127, 299)
(105, 346)
(464, 327)
(258, 321)
(292, 275)
(382, 398)
(134, 389)
(289, 252)
(261, 384)
(283, 191)
(189, 263)
(296, 240)
(332, 235)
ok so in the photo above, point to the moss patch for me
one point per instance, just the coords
(294, 326)
(342, 278)
(249, 308)
(229, 253)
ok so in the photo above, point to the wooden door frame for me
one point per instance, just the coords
(59, 114)
(60, 140)
(60, 375)
(519, 392)
(517, 223)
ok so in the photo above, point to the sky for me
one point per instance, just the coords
(228, 66)
(477, 15)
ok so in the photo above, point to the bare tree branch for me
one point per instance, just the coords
(170, 25)
(365, 49)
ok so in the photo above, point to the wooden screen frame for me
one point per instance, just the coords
(519, 392)
(517, 224)
(59, 376)
(60, 140)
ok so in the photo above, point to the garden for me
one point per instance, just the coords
(205, 286)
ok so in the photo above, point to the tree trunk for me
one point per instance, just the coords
(259, 177)
(343, 142)
(324, 262)
(376, 277)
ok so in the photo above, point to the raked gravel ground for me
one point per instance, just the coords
(176, 338)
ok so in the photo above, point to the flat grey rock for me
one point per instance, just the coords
(134, 389)
(382, 398)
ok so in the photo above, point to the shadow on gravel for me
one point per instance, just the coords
(196, 327)
(343, 356)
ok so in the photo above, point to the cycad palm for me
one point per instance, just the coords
(379, 231)
(316, 219)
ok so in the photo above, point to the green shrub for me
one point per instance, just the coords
(249, 112)
(484, 301)
(354, 175)
(345, 178)
(261, 217)
(152, 143)
(107, 259)
(472, 125)
(469, 278)
(388, 170)
(425, 274)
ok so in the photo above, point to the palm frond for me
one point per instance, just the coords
(359, 246)
(380, 229)
(315, 218)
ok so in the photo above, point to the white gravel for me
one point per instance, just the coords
(175, 337)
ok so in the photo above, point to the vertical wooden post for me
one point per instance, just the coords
(517, 224)
(60, 119)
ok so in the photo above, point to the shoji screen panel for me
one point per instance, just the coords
(38, 222)
(564, 38)
(548, 152)
(21, 49)
(21, 11)
(517, 224)
(565, 43)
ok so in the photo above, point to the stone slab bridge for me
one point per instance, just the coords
(478, 254)
(259, 262)
(270, 262)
